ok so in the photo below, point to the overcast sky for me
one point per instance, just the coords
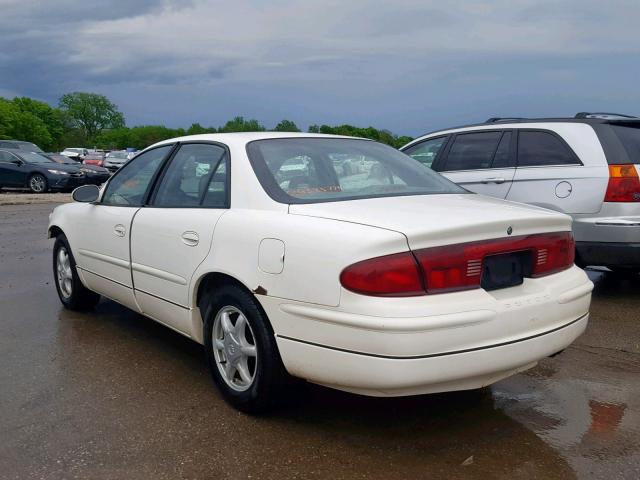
(405, 65)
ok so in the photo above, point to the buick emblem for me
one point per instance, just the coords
(509, 230)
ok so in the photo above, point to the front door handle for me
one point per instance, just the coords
(119, 230)
(493, 180)
(190, 238)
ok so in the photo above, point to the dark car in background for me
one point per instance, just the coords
(94, 174)
(33, 171)
(20, 145)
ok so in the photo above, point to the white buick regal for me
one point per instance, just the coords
(333, 259)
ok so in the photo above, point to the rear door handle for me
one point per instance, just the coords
(119, 230)
(190, 238)
(493, 180)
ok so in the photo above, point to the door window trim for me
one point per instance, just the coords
(578, 162)
(150, 197)
(442, 159)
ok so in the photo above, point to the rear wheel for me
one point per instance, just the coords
(73, 294)
(241, 350)
(38, 183)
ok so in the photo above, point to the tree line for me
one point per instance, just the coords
(92, 120)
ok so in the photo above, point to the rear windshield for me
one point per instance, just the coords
(312, 170)
(630, 139)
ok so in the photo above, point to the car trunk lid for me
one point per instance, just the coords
(435, 220)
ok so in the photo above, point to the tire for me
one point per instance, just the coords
(251, 384)
(38, 183)
(72, 293)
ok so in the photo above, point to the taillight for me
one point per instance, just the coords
(624, 184)
(455, 267)
(394, 275)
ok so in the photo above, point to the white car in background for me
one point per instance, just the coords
(115, 159)
(77, 154)
(587, 167)
(387, 282)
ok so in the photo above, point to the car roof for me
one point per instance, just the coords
(237, 138)
(511, 122)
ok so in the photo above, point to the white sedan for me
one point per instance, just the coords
(333, 259)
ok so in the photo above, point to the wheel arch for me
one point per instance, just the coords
(54, 231)
(208, 282)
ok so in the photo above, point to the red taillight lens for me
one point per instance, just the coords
(392, 275)
(552, 253)
(454, 267)
(624, 184)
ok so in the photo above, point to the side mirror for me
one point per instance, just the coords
(16, 162)
(86, 194)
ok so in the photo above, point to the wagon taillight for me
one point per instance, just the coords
(624, 184)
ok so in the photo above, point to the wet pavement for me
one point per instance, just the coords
(110, 394)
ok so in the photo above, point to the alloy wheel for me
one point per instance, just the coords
(234, 348)
(37, 183)
(64, 273)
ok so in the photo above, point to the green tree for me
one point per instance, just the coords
(197, 129)
(52, 118)
(239, 124)
(23, 125)
(91, 113)
(286, 126)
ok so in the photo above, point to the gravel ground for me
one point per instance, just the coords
(109, 394)
(22, 198)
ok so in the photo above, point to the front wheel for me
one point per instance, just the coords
(73, 294)
(38, 183)
(241, 350)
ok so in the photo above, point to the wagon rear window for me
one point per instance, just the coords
(310, 170)
(630, 138)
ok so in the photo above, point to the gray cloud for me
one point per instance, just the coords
(322, 61)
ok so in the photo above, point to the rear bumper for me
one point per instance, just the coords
(406, 346)
(448, 371)
(609, 254)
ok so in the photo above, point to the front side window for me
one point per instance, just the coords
(537, 148)
(129, 186)
(427, 151)
(311, 170)
(472, 151)
(193, 176)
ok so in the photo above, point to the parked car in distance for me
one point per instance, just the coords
(94, 175)
(75, 153)
(20, 145)
(388, 280)
(94, 158)
(116, 159)
(587, 167)
(36, 172)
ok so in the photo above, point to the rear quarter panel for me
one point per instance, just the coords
(316, 250)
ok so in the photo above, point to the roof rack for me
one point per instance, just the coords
(603, 115)
(503, 119)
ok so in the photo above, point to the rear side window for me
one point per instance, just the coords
(537, 148)
(472, 151)
(630, 139)
(188, 178)
(427, 151)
